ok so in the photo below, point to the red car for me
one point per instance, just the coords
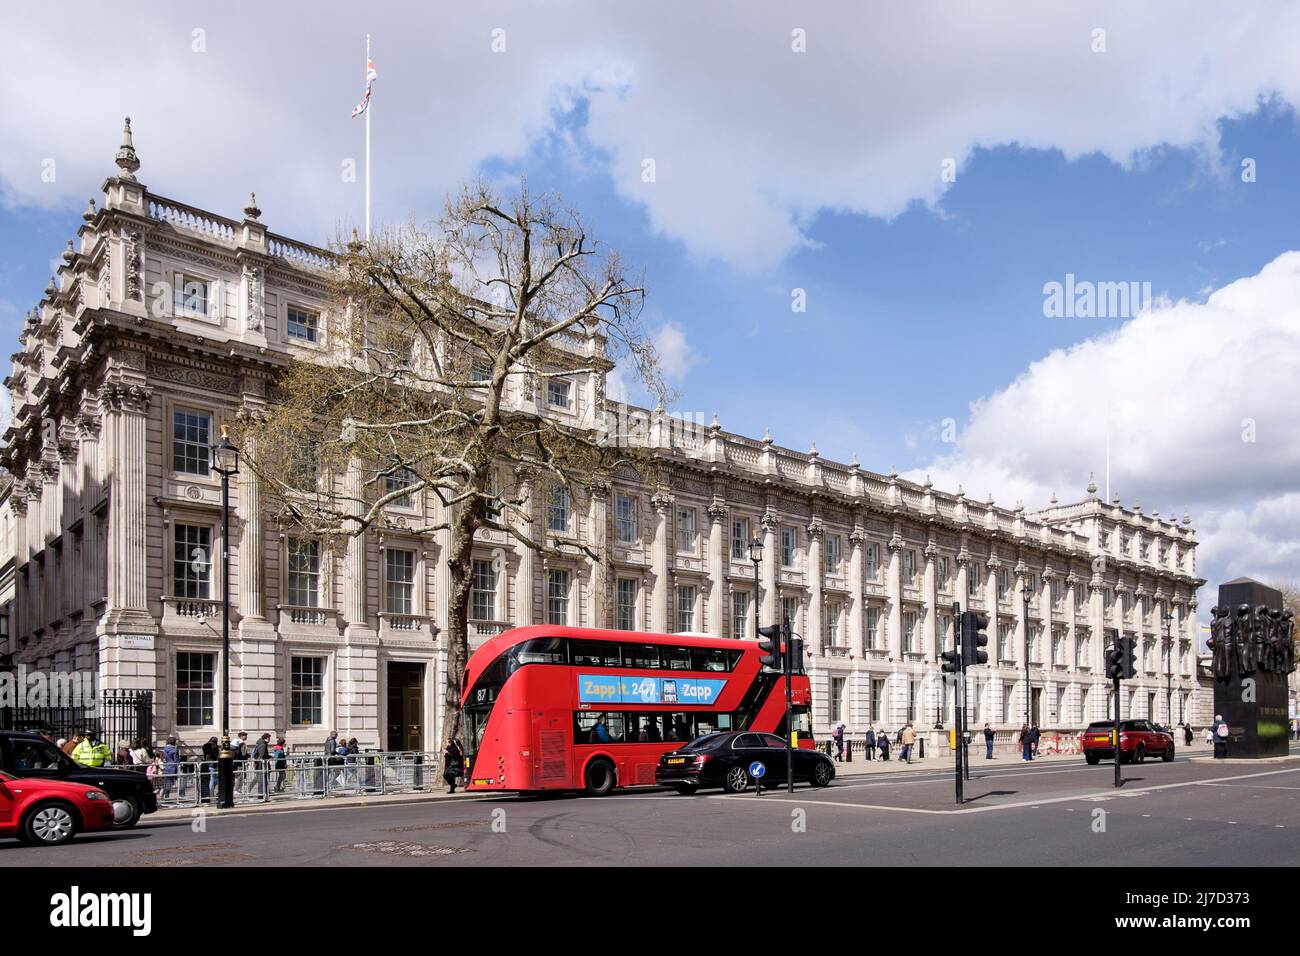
(1138, 739)
(50, 812)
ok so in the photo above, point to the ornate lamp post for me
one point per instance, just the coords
(1026, 593)
(225, 462)
(756, 555)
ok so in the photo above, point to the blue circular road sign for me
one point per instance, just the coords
(757, 769)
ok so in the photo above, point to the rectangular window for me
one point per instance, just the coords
(740, 539)
(834, 633)
(1004, 580)
(835, 711)
(1004, 642)
(190, 295)
(790, 611)
(557, 597)
(913, 700)
(557, 510)
(195, 689)
(877, 700)
(873, 628)
(483, 591)
(873, 562)
(626, 604)
(304, 572)
(191, 442)
(686, 607)
(557, 393)
(943, 572)
(909, 631)
(789, 546)
(1058, 641)
(625, 519)
(306, 691)
(304, 465)
(909, 566)
(399, 581)
(303, 324)
(973, 579)
(739, 613)
(832, 554)
(686, 530)
(398, 481)
(192, 562)
(1058, 593)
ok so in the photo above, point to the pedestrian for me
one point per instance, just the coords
(240, 752)
(1034, 735)
(280, 759)
(155, 772)
(91, 752)
(123, 755)
(262, 762)
(171, 758)
(838, 736)
(882, 741)
(988, 741)
(140, 753)
(1187, 734)
(70, 745)
(1221, 732)
(1022, 738)
(211, 754)
(453, 763)
(908, 738)
(871, 742)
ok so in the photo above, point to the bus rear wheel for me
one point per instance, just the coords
(600, 778)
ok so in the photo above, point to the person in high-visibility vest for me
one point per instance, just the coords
(91, 752)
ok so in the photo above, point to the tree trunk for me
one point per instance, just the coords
(459, 562)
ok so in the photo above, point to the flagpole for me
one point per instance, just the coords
(369, 107)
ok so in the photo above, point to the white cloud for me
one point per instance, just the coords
(750, 140)
(676, 356)
(1178, 389)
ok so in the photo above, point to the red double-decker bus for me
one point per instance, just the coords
(567, 708)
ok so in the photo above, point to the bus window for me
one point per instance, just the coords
(641, 655)
(543, 650)
(708, 659)
(595, 653)
(678, 727)
(598, 728)
(711, 723)
(675, 658)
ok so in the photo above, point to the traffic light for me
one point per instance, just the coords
(794, 653)
(1114, 667)
(769, 642)
(951, 661)
(1128, 658)
(973, 638)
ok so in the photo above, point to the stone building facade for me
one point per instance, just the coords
(165, 320)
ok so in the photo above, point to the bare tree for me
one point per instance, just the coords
(447, 368)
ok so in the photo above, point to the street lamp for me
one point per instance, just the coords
(1026, 593)
(1169, 666)
(756, 555)
(225, 462)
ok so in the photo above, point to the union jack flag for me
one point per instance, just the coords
(365, 100)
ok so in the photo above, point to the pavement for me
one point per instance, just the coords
(1055, 811)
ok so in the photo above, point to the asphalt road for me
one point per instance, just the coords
(1181, 814)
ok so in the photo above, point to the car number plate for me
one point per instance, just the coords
(677, 760)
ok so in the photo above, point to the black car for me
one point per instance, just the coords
(31, 755)
(723, 760)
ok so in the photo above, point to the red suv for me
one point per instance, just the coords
(1138, 739)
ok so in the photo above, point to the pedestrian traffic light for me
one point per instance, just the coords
(1114, 666)
(951, 661)
(1128, 658)
(769, 642)
(973, 638)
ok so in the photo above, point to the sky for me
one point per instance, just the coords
(849, 216)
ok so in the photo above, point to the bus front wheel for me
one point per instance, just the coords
(600, 778)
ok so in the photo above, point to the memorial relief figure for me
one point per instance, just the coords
(1220, 643)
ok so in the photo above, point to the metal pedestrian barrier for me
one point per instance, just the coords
(193, 783)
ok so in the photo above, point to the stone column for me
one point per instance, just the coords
(598, 541)
(857, 601)
(663, 509)
(930, 592)
(127, 629)
(816, 627)
(894, 589)
(719, 593)
(354, 574)
(523, 610)
(1071, 584)
(252, 557)
(770, 604)
(961, 585)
